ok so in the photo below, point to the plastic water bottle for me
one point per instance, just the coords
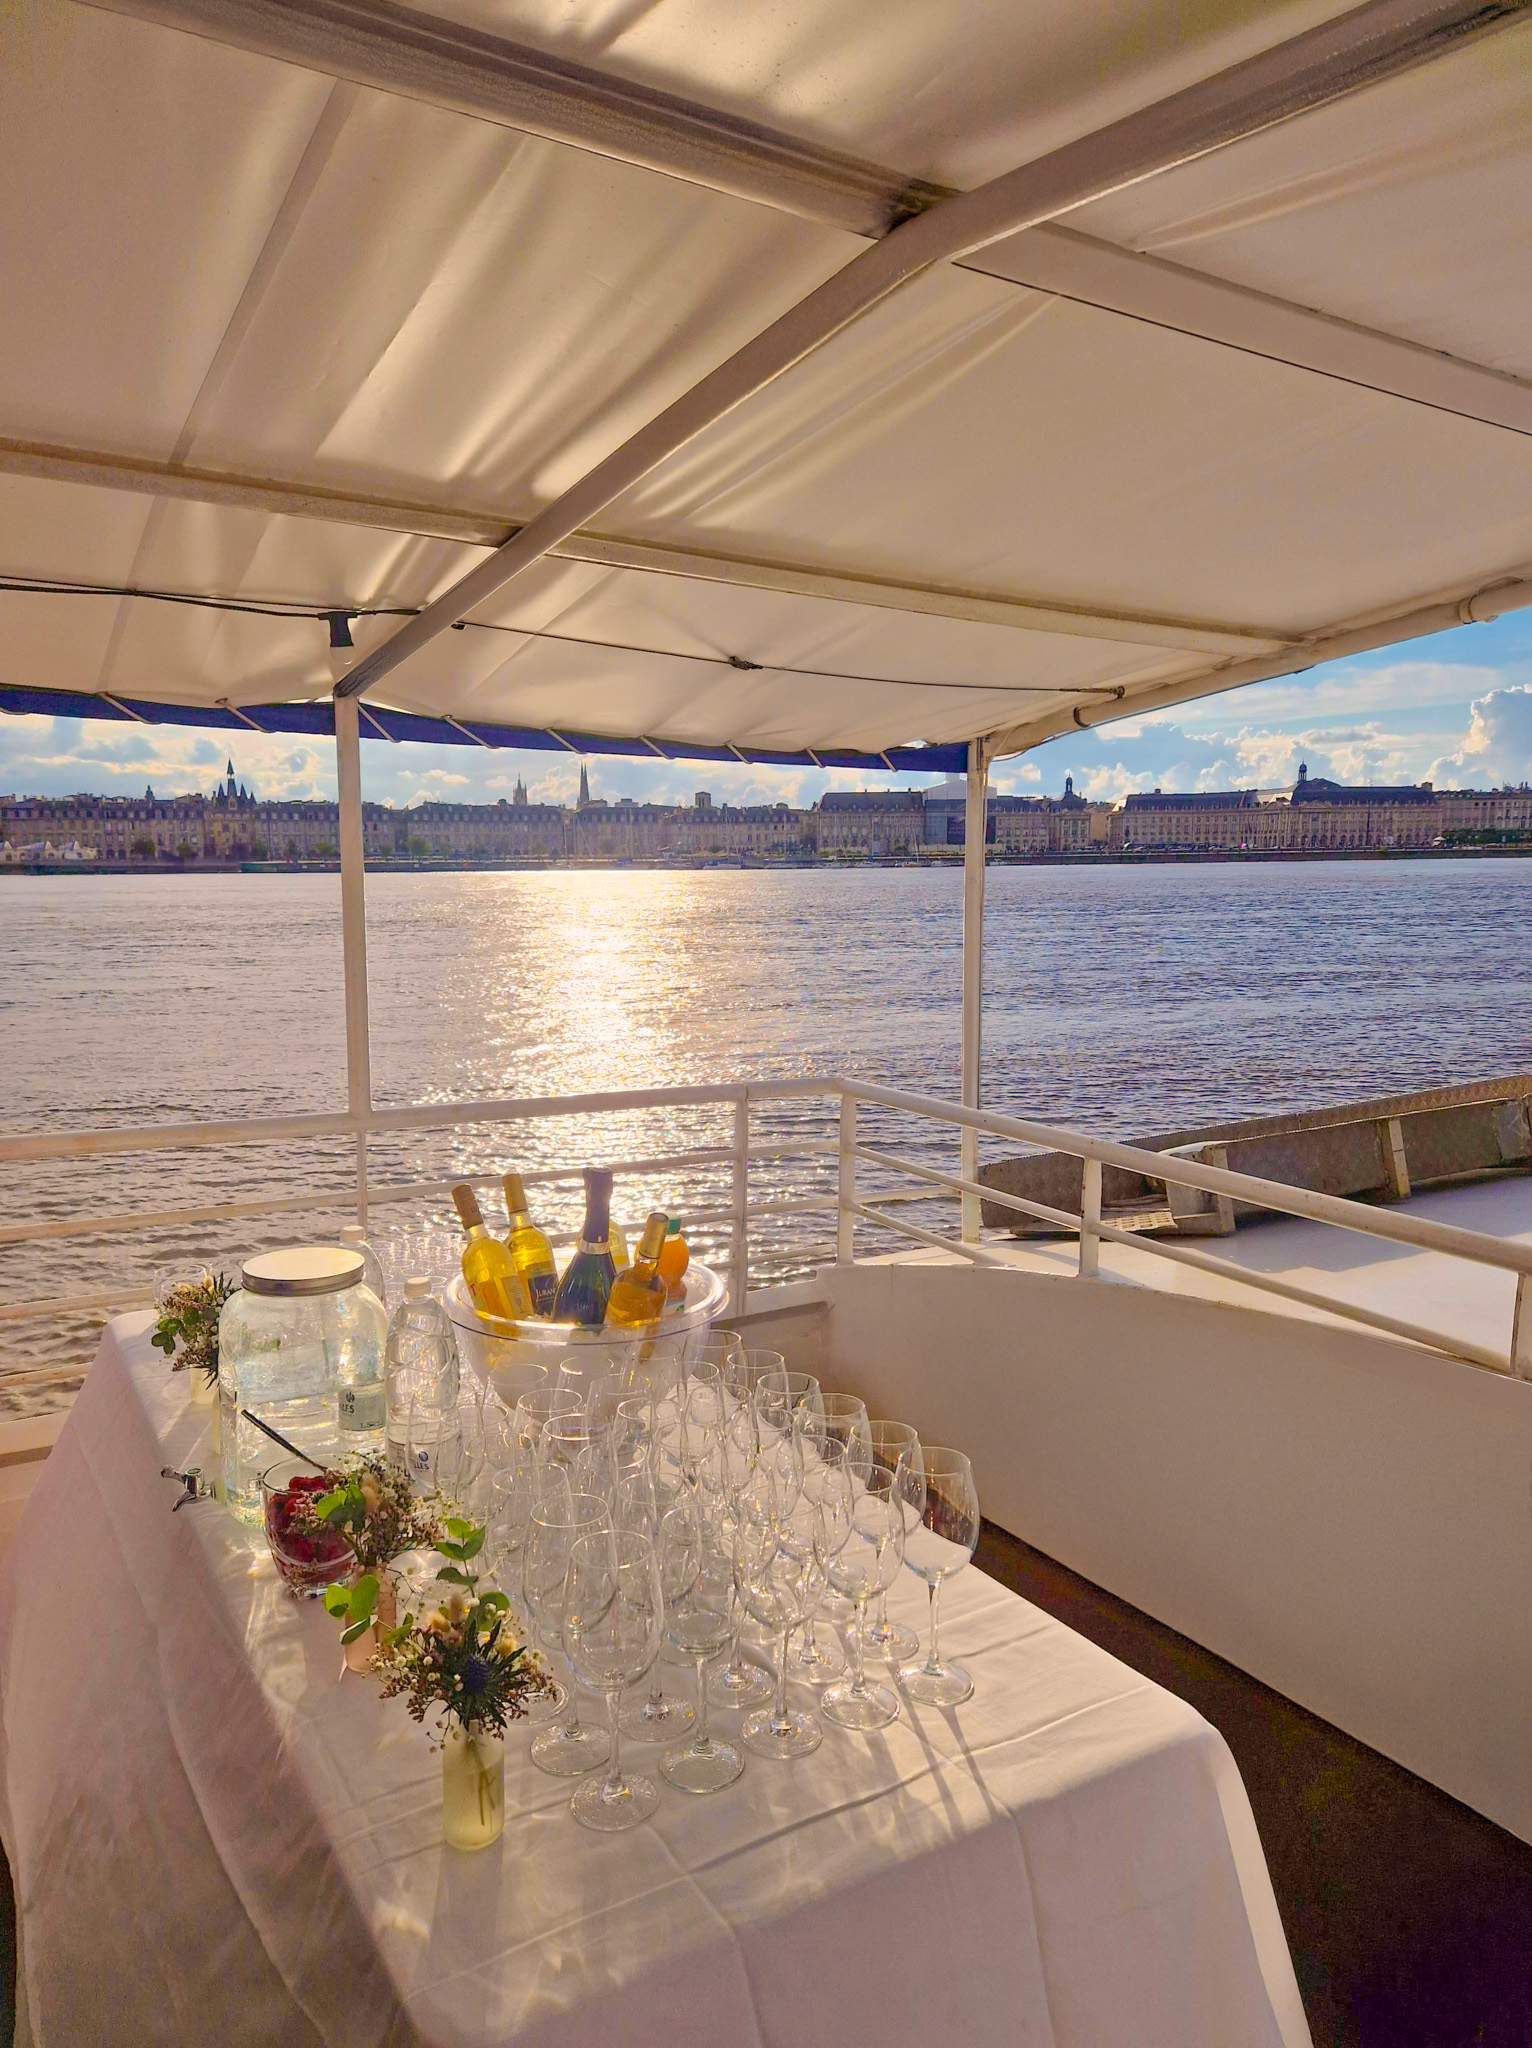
(355, 1239)
(422, 1376)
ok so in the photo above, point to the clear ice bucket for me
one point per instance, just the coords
(505, 1354)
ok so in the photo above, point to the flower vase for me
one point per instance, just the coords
(473, 1785)
(362, 1654)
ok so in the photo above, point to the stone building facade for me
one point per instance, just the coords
(1315, 816)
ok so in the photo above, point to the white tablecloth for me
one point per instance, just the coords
(215, 1838)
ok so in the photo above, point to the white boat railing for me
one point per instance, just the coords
(1419, 1232)
(730, 1162)
(737, 1209)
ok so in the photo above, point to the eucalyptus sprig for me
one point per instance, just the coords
(188, 1320)
(464, 1657)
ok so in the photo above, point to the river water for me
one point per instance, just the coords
(1123, 1000)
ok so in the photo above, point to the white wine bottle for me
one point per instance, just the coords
(494, 1285)
(530, 1251)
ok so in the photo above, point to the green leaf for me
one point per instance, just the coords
(457, 1527)
(498, 1601)
(446, 1549)
(349, 1635)
(473, 1545)
(364, 1597)
(337, 1600)
(454, 1576)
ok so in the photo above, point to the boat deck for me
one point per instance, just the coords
(1409, 1916)
(1426, 1288)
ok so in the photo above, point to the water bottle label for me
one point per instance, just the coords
(363, 1407)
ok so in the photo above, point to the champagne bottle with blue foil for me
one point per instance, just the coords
(531, 1253)
(587, 1281)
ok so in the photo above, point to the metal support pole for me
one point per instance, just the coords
(353, 924)
(845, 1228)
(976, 826)
(1090, 1220)
(739, 1256)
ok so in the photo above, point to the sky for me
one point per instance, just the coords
(1455, 709)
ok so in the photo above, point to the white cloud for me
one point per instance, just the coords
(1497, 747)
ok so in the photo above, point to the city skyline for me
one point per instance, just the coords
(1455, 709)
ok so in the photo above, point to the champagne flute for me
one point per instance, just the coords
(859, 1541)
(893, 1444)
(560, 1520)
(938, 1543)
(697, 1621)
(612, 1614)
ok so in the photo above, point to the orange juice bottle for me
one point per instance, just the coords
(674, 1260)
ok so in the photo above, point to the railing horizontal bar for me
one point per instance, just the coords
(1216, 1180)
(1269, 1283)
(320, 1198)
(954, 1183)
(67, 1304)
(421, 1116)
(177, 1137)
(943, 1244)
(165, 1219)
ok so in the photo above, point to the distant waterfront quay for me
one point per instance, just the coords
(1311, 818)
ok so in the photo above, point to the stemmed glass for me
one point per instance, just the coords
(660, 1713)
(895, 1444)
(769, 1581)
(838, 1429)
(859, 1541)
(739, 1476)
(612, 1615)
(560, 1521)
(697, 1622)
(939, 1540)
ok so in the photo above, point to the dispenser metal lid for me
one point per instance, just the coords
(303, 1269)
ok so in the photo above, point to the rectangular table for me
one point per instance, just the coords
(216, 1837)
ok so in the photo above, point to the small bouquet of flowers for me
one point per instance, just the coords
(370, 1505)
(188, 1324)
(466, 1658)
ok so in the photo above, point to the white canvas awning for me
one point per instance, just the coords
(279, 337)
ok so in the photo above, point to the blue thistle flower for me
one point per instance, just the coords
(476, 1674)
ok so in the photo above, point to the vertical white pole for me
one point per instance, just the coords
(1090, 1220)
(739, 1258)
(845, 1232)
(976, 824)
(353, 924)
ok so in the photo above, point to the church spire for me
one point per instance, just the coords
(584, 786)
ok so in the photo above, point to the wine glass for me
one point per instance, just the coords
(937, 1544)
(838, 1426)
(894, 1443)
(768, 1580)
(661, 1714)
(744, 1370)
(859, 1541)
(559, 1521)
(698, 1622)
(612, 1615)
(748, 1490)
